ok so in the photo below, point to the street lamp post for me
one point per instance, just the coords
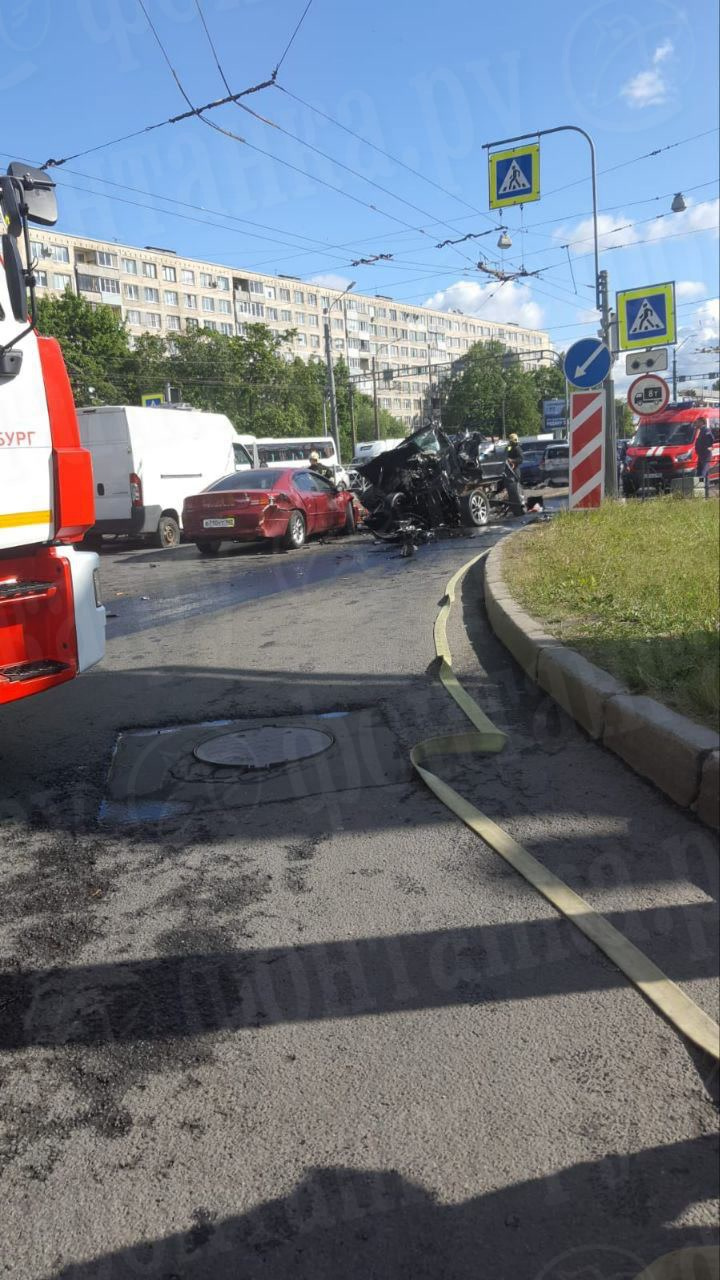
(602, 295)
(330, 369)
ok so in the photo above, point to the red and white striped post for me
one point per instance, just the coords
(587, 448)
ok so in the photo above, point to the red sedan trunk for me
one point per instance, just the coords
(255, 505)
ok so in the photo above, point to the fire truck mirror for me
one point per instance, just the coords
(10, 363)
(15, 276)
(38, 193)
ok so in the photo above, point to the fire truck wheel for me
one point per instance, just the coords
(168, 533)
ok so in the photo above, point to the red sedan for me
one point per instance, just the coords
(286, 507)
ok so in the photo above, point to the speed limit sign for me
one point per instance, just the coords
(648, 394)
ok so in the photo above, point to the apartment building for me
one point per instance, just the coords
(157, 290)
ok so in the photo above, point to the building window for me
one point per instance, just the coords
(129, 266)
(223, 284)
(108, 284)
(150, 270)
(59, 253)
(314, 340)
(299, 317)
(272, 313)
(169, 274)
(106, 259)
(284, 295)
(191, 323)
(88, 283)
(286, 315)
(312, 299)
(190, 300)
(152, 320)
(172, 322)
(337, 322)
(224, 305)
(206, 280)
(257, 309)
(210, 324)
(151, 295)
(132, 291)
(227, 329)
(187, 276)
(208, 304)
(61, 282)
(314, 322)
(298, 298)
(172, 298)
(270, 292)
(301, 340)
(41, 279)
(132, 317)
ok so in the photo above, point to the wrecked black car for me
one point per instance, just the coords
(434, 483)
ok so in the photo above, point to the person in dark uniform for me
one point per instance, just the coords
(317, 466)
(703, 449)
(514, 453)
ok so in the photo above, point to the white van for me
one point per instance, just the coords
(147, 461)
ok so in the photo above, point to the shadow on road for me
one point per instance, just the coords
(605, 1219)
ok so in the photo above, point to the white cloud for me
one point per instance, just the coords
(688, 289)
(330, 280)
(620, 229)
(512, 302)
(649, 88)
(707, 319)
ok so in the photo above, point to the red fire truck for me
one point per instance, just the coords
(52, 622)
(662, 454)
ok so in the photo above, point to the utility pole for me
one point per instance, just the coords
(375, 399)
(353, 436)
(331, 383)
(610, 432)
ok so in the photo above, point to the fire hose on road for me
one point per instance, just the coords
(486, 739)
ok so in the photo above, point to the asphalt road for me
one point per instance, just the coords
(307, 1024)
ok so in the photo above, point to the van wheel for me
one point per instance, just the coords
(295, 532)
(168, 533)
(208, 546)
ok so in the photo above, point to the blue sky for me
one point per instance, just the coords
(426, 83)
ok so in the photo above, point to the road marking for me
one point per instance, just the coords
(486, 738)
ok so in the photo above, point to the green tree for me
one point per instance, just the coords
(490, 391)
(549, 383)
(96, 347)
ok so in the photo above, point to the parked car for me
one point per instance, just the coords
(285, 507)
(555, 467)
(531, 465)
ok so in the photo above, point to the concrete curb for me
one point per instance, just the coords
(680, 757)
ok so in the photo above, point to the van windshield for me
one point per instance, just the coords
(675, 432)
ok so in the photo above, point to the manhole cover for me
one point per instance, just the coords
(262, 748)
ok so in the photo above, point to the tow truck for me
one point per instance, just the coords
(52, 621)
(662, 456)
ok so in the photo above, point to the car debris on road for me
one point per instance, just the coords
(432, 483)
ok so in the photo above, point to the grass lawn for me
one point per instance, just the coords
(634, 587)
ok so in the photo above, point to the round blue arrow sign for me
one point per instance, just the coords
(587, 363)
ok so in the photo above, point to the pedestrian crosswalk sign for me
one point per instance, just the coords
(514, 176)
(646, 317)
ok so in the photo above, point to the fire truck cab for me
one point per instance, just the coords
(662, 454)
(52, 622)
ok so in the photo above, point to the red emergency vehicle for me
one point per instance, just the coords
(52, 623)
(663, 448)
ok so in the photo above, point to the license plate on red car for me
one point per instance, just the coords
(226, 522)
